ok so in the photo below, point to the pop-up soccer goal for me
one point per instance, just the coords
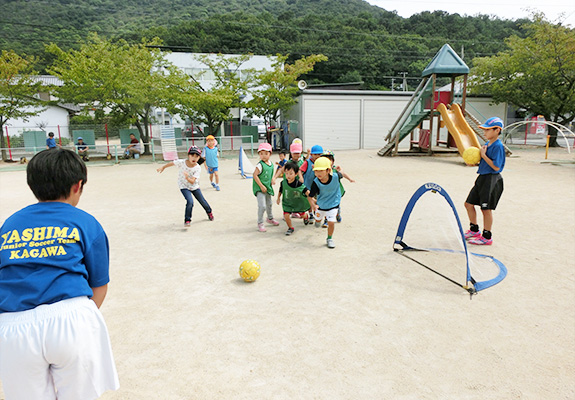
(244, 165)
(431, 235)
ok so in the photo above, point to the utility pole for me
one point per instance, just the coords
(404, 84)
(392, 84)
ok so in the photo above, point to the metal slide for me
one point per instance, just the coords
(458, 127)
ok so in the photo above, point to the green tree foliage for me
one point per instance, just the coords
(276, 90)
(212, 105)
(127, 79)
(18, 89)
(536, 73)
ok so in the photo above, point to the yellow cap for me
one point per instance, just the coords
(322, 163)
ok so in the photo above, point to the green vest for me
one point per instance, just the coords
(341, 189)
(293, 199)
(266, 179)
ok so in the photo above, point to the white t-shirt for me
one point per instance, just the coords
(193, 172)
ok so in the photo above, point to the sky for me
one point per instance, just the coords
(504, 9)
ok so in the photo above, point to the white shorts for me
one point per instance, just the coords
(59, 350)
(330, 215)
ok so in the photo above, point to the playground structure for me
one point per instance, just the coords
(428, 110)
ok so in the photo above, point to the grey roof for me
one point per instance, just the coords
(48, 80)
(446, 63)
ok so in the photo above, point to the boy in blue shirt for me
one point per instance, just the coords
(51, 142)
(489, 184)
(326, 187)
(54, 277)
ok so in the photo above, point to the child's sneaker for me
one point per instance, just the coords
(217, 188)
(273, 222)
(305, 218)
(471, 234)
(214, 184)
(338, 217)
(330, 243)
(480, 240)
(324, 225)
(211, 216)
(187, 224)
(261, 228)
(289, 231)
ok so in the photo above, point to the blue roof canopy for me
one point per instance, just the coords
(446, 63)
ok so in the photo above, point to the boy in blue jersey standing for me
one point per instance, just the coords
(212, 162)
(326, 187)
(54, 276)
(489, 184)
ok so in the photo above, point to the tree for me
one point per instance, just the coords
(536, 73)
(18, 89)
(130, 80)
(212, 105)
(276, 90)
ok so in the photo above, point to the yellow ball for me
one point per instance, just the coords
(472, 156)
(250, 270)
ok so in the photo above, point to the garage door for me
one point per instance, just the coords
(379, 117)
(333, 124)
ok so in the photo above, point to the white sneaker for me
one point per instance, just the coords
(330, 243)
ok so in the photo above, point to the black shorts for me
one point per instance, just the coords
(486, 192)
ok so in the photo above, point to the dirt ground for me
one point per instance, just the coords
(354, 322)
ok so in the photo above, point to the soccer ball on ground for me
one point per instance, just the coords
(472, 156)
(249, 270)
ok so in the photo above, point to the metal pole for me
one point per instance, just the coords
(8, 139)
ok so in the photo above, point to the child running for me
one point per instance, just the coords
(336, 168)
(306, 169)
(212, 162)
(262, 186)
(294, 196)
(189, 182)
(326, 187)
(489, 184)
(54, 274)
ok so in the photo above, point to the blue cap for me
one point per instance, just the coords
(317, 149)
(493, 122)
(80, 138)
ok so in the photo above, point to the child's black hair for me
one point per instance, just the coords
(52, 173)
(292, 165)
(51, 134)
(283, 152)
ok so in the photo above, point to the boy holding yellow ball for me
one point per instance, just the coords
(489, 184)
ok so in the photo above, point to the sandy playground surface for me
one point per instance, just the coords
(355, 322)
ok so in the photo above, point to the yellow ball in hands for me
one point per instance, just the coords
(472, 156)
(249, 270)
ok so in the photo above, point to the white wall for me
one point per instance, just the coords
(53, 116)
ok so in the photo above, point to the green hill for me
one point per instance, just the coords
(363, 42)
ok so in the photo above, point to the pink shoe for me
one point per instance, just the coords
(273, 222)
(469, 234)
(480, 240)
(261, 228)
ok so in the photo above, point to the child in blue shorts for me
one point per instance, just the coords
(489, 184)
(54, 261)
(210, 153)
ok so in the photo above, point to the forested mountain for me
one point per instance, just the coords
(363, 42)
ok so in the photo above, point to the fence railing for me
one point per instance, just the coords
(103, 151)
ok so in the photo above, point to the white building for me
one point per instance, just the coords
(191, 65)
